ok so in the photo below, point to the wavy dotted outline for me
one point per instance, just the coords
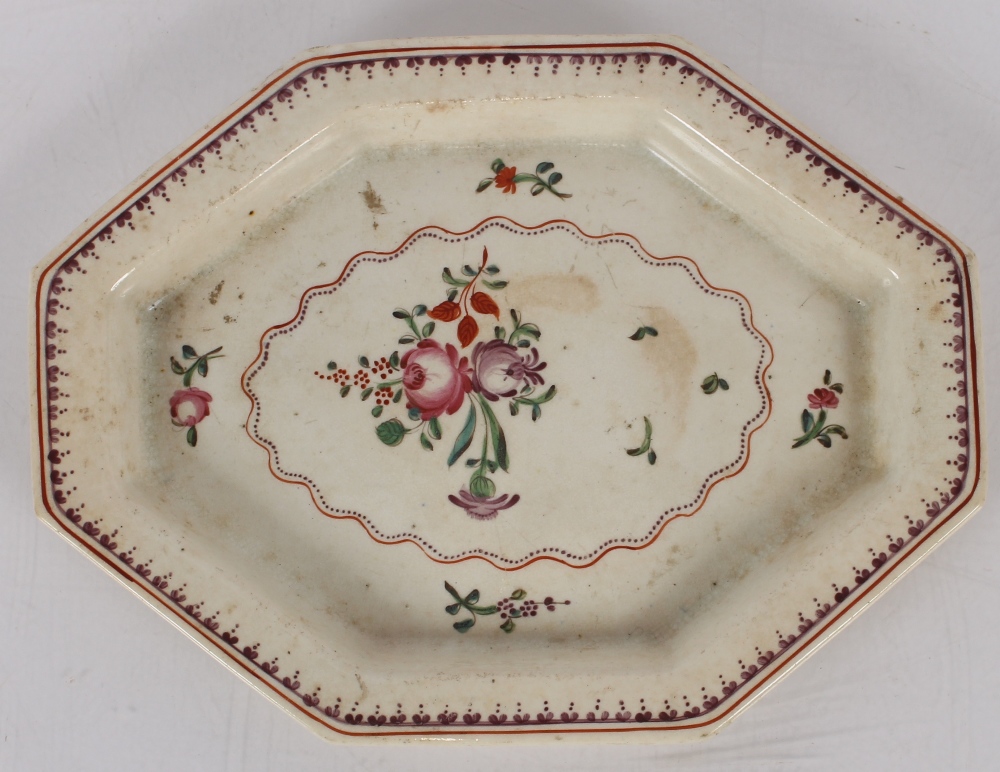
(689, 266)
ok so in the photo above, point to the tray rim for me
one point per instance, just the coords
(940, 527)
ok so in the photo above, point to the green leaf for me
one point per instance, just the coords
(514, 408)
(188, 352)
(176, 366)
(555, 178)
(710, 384)
(419, 310)
(483, 184)
(470, 462)
(434, 428)
(492, 465)
(391, 432)
(331, 365)
(468, 270)
(838, 387)
(651, 331)
(537, 188)
(453, 609)
(497, 165)
(406, 339)
(543, 167)
(536, 412)
(401, 313)
(377, 410)
(344, 391)
(548, 395)
(499, 332)
(472, 598)
(449, 279)
(518, 594)
(807, 421)
(516, 317)
(464, 438)
(202, 367)
(492, 270)
(465, 624)
(825, 441)
(367, 393)
(363, 361)
(394, 360)
(452, 294)
(638, 334)
(826, 378)
(495, 285)
(508, 626)
(192, 436)
(427, 330)
(414, 414)
(397, 396)
(836, 429)
(651, 456)
(425, 443)
(645, 441)
(453, 592)
(724, 385)
(497, 436)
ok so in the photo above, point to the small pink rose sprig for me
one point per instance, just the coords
(815, 427)
(190, 406)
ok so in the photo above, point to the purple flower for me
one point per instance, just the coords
(500, 369)
(484, 508)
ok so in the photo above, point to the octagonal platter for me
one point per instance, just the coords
(507, 388)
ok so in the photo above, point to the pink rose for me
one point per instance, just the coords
(500, 370)
(822, 398)
(435, 379)
(193, 403)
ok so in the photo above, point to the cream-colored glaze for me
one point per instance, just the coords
(348, 168)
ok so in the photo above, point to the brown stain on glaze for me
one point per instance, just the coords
(213, 296)
(557, 291)
(372, 200)
(673, 356)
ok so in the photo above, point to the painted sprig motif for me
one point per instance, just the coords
(434, 380)
(815, 427)
(189, 406)
(507, 178)
(517, 605)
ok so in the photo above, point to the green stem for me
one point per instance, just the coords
(813, 433)
(486, 448)
(189, 373)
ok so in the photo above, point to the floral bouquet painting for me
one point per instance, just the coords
(465, 371)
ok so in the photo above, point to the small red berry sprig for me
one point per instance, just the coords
(517, 605)
(373, 378)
